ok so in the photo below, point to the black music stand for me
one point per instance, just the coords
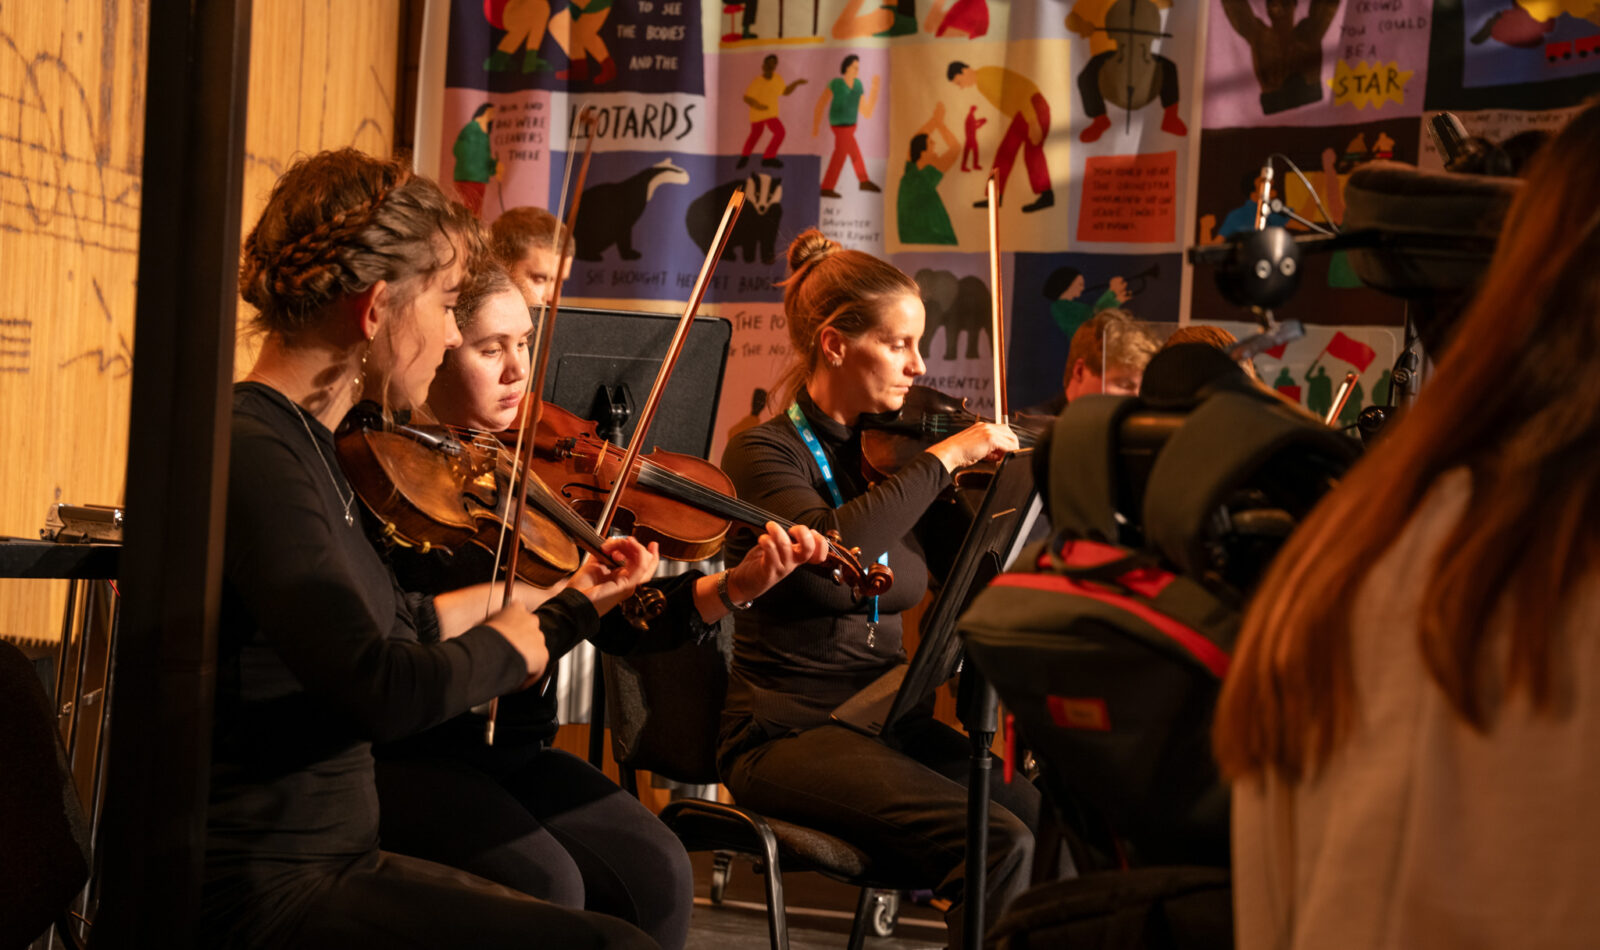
(988, 547)
(997, 532)
(602, 365)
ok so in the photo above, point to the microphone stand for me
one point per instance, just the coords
(982, 721)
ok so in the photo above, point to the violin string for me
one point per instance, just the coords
(553, 507)
(692, 492)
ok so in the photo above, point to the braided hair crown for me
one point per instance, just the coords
(338, 222)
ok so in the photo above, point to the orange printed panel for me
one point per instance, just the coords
(1130, 199)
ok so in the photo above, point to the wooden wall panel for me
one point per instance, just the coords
(71, 121)
(322, 75)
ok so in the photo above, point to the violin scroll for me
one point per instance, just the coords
(845, 562)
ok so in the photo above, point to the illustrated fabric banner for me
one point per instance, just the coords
(1118, 140)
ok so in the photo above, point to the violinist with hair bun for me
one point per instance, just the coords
(354, 267)
(806, 646)
(520, 812)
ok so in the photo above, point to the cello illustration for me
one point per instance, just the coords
(1133, 74)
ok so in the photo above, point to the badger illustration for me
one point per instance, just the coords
(614, 207)
(757, 227)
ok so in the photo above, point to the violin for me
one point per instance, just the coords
(890, 441)
(431, 491)
(684, 504)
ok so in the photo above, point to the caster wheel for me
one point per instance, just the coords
(721, 866)
(885, 912)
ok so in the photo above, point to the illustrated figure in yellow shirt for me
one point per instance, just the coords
(1028, 116)
(762, 97)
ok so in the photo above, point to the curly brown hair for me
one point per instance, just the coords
(340, 221)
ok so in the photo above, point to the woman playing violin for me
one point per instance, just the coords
(354, 267)
(806, 646)
(521, 813)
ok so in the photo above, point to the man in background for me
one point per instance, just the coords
(1108, 355)
(526, 241)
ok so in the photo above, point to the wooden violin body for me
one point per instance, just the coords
(929, 416)
(430, 491)
(684, 503)
(580, 467)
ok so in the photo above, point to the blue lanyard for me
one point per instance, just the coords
(810, 439)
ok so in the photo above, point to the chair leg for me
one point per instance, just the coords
(777, 920)
(858, 928)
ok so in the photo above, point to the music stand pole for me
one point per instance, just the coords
(983, 722)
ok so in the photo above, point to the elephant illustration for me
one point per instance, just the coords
(955, 305)
(756, 231)
(618, 205)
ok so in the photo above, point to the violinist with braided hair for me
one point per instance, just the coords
(354, 267)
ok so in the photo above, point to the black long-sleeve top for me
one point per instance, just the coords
(319, 653)
(803, 648)
(528, 718)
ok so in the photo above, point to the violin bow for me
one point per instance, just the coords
(730, 214)
(532, 397)
(997, 330)
(532, 403)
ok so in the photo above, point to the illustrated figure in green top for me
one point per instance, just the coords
(844, 104)
(1319, 391)
(1352, 406)
(1063, 288)
(920, 212)
(1380, 393)
(475, 162)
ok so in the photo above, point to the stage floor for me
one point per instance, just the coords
(819, 912)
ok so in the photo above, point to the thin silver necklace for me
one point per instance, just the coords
(349, 517)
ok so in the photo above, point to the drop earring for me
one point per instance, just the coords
(359, 381)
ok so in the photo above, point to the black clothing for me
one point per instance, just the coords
(554, 827)
(904, 803)
(528, 718)
(803, 648)
(392, 901)
(529, 817)
(319, 653)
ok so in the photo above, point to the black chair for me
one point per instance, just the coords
(43, 827)
(664, 711)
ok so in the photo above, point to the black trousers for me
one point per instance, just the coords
(547, 824)
(392, 901)
(905, 805)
